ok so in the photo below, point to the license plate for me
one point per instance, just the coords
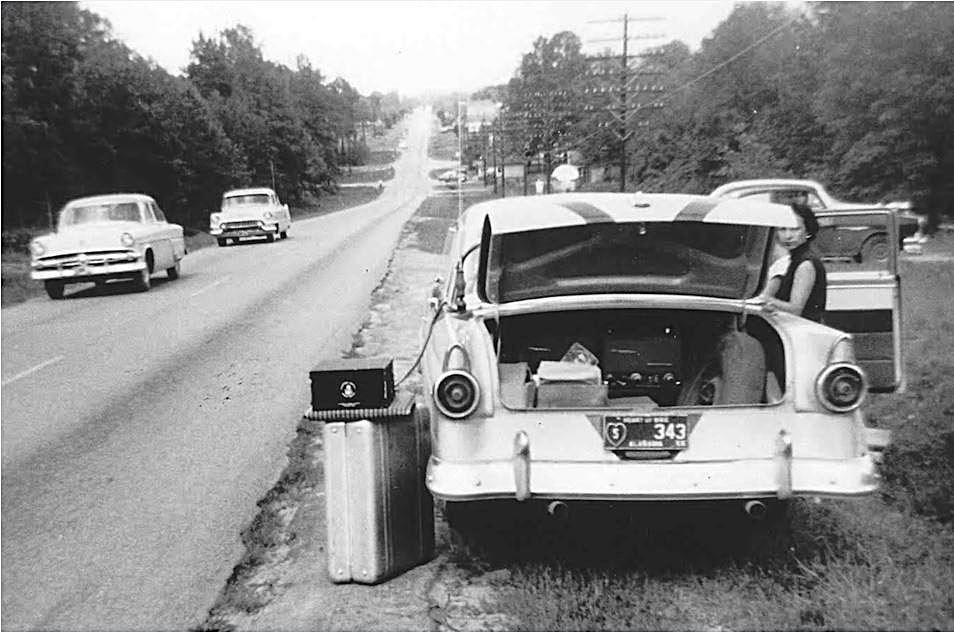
(646, 432)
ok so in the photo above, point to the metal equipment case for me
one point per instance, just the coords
(380, 515)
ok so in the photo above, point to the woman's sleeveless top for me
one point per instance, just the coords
(815, 306)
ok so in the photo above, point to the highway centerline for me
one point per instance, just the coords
(209, 287)
(35, 368)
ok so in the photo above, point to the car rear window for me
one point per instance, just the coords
(690, 258)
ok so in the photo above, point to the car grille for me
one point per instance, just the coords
(80, 260)
(239, 226)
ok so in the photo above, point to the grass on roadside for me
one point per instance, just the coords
(443, 145)
(371, 176)
(884, 562)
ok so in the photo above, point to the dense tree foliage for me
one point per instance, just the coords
(857, 95)
(84, 114)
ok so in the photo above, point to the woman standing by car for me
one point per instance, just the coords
(801, 288)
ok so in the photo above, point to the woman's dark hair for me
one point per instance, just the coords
(808, 217)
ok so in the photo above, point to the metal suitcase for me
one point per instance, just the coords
(380, 514)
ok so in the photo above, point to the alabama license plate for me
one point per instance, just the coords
(646, 432)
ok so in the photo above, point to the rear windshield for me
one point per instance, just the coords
(255, 198)
(691, 258)
(104, 212)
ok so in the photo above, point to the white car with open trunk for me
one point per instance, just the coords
(609, 347)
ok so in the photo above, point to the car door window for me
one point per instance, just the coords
(147, 213)
(160, 216)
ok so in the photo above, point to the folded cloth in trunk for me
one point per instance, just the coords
(551, 371)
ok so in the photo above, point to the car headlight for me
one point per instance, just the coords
(841, 387)
(215, 219)
(37, 248)
(126, 239)
(456, 393)
(267, 215)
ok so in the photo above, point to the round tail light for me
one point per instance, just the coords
(841, 387)
(456, 393)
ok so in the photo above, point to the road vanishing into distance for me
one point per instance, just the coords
(139, 430)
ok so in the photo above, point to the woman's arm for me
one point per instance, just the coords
(771, 287)
(801, 290)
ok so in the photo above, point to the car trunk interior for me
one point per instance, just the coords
(636, 358)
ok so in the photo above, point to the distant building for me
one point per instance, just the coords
(480, 113)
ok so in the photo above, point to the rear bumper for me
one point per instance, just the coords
(779, 476)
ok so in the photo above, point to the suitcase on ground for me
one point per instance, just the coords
(379, 513)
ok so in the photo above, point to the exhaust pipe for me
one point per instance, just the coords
(558, 510)
(755, 509)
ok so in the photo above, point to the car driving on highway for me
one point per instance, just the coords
(101, 238)
(247, 213)
(608, 347)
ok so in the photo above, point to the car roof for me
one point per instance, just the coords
(248, 192)
(111, 197)
(520, 214)
(765, 182)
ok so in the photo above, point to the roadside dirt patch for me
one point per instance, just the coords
(282, 583)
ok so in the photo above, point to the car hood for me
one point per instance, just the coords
(100, 237)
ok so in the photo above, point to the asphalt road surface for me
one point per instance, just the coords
(139, 430)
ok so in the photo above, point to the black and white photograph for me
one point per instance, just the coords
(477, 315)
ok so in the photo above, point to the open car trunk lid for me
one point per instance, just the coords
(657, 244)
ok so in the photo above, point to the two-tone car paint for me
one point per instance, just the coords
(790, 446)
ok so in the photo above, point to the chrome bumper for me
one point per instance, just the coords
(81, 273)
(780, 476)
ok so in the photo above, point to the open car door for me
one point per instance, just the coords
(860, 251)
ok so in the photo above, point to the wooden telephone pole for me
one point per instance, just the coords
(622, 111)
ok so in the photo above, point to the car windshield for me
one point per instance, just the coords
(252, 198)
(687, 258)
(102, 212)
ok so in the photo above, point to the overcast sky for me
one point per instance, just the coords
(410, 47)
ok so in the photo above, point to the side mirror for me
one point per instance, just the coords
(459, 286)
(437, 290)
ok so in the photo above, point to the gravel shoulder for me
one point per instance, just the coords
(284, 585)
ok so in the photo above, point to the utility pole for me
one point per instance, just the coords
(623, 110)
(493, 149)
(460, 158)
(624, 133)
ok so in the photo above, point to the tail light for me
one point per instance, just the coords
(456, 393)
(841, 387)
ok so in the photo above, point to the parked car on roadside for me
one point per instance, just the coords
(608, 347)
(101, 238)
(255, 212)
(858, 244)
(453, 176)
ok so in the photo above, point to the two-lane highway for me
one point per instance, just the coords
(139, 430)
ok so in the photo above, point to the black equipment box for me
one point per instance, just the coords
(351, 383)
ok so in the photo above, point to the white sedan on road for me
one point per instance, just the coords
(255, 212)
(99, 238)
